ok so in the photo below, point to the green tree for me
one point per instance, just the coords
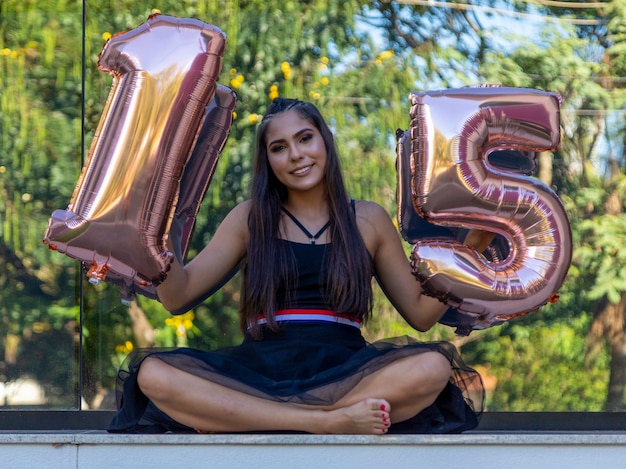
(358, 61)
(39, 128)
(574, 51)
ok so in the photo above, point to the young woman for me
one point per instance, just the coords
(308, 254)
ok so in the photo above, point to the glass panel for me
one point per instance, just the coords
(113, 327)
(299, 49)
(40, 148)
(358, 62)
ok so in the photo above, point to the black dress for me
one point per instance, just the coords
(315, 358)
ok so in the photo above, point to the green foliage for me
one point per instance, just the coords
(602, 255)
(541, 367)
(360, 77)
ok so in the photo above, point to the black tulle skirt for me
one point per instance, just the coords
(308, 363)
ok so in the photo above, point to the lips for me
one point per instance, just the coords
(302, 170)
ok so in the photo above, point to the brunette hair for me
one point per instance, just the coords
(348, 261)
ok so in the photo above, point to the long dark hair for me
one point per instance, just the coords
(349, 263)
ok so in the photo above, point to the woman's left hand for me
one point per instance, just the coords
(479, 239)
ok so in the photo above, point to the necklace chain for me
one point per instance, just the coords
(312, 237)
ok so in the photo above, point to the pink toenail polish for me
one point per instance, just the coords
(382, 407)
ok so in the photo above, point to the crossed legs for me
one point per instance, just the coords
(392, 394)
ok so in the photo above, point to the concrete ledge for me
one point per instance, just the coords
(96, 450)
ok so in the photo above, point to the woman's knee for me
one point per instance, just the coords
(432, 371)
(152, 377)
(442, 369)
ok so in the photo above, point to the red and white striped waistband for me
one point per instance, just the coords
(312, 315)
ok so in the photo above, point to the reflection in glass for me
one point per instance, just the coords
(297, 49)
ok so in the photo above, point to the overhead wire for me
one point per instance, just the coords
(502, 11)
(575, 5)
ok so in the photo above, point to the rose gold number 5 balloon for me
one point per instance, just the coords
(164, 76)
(453, 184)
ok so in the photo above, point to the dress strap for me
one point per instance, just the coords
(312, 237)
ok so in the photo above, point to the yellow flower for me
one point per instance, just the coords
(254, 118)
(324, 60)
(314, 94)
(32, 44)
(386, 54)
(125, 348)
(237, 81)
(325, 81)
(233, 71)
(184, 321)
(5, 51)
(234, 115)
(273, 94)
(322, 67)
(106, 35)
(286, 69)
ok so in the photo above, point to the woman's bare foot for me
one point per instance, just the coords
(367, 417)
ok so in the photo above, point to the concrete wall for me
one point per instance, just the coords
(98, 450)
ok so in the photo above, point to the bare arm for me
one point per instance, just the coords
(393, 269)
(186, 284)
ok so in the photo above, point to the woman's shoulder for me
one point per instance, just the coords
(370, 211)
(236, 221)
(243, 207)
(374, 223)
(240, 211)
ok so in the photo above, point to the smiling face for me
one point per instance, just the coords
(296, 152)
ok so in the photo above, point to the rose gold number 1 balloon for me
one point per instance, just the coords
(195, 181)
(164, 75)
(454, 185)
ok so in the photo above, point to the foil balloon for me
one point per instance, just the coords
(196, 178)
(164, 76)
(464, 164)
